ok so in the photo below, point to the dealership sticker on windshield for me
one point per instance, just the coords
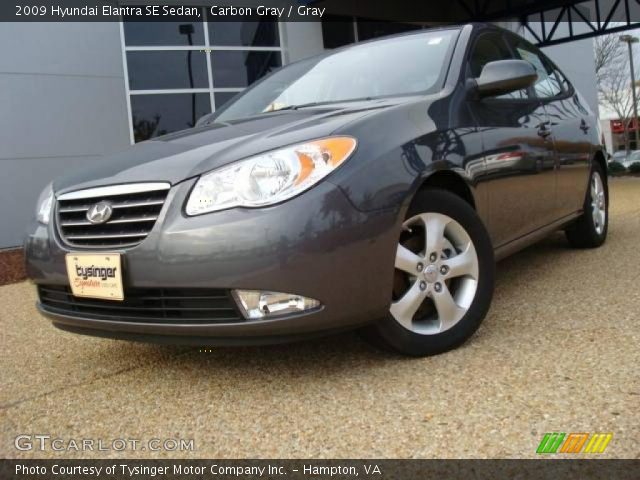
(95, 275)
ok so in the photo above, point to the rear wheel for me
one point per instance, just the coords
(590, 229)
(443, 278)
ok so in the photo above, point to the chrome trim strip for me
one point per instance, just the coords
(108, 236)
(80, 223)
(141, 203)
(73, 209)
(115, 190)
(130, 204)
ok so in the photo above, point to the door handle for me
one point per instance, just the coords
(543, 131)
(584, 126)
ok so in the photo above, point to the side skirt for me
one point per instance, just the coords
(518, 244)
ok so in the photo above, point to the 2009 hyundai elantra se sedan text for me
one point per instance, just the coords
(372, 186)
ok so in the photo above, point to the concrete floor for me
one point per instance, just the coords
(559, 351)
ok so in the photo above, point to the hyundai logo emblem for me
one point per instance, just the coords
(100, 212)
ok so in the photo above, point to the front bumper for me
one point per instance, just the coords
(316, 245)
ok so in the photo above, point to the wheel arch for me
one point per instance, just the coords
(598, 159)
(450, 181)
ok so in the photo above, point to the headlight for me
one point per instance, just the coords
(269, 178)
(45, 203)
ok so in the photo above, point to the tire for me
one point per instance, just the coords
(452, 290)
(590, 229)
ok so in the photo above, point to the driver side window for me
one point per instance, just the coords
(490, 47)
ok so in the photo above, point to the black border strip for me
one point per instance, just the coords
(419, 11)
(547, 467)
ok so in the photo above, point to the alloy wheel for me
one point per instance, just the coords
(598, 203)
(436, 274)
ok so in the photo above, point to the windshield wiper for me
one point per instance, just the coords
(296, 107)
(315, 104)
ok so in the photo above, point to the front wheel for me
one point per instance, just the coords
(590, 229)
(443, 277)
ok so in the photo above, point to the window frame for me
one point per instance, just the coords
(564, 92)
(209, 48)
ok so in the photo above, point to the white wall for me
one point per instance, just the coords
(576, 59)
(605, 127)
(63, 105)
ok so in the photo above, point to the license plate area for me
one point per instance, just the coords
(95, 275)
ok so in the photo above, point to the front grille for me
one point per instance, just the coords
(146, 305)
(135, 208)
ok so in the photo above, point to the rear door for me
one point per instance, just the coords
(518, 150)
(569, 122)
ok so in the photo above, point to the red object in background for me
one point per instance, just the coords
(617, 126)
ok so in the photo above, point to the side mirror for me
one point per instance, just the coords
(505, 76)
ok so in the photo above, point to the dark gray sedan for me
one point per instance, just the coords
(372, 186)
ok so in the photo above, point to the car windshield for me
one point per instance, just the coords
(634, 157)
(402, 65)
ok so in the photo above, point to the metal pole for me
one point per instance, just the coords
(633, 91)
(188, 30)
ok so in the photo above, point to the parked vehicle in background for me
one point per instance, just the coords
(371, 186)
(619, 156)
(631, 158)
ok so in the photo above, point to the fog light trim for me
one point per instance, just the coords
(258, 304)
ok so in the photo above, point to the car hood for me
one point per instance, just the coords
(182, 155)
